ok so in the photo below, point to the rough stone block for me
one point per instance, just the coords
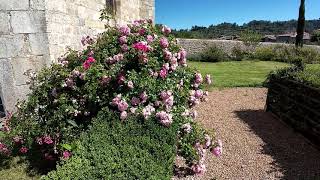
(22, 65)
(7, 90)
(57, 6)
(39, 43)
(14, 4)
(4, 23)
(28, 21)
(14, 46)
(37, 4)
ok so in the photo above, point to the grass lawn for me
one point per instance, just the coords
(238, 73)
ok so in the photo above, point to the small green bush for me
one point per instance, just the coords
(309, 75)
(264, 53)
(239, 54)
(134, 149)
(211, 54)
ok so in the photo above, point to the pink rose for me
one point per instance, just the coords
(208, 79)
(164, 42)
(198, 169)
(66, 154)
(39, 140)
(217, 151)
(163, 73)
(164, 118)
(123, 115)
(143, 96)
(182, 54)
(123, 40)
(23, 150)
(167, 55)
(130, 84)
(150, 39)
(18, 140)
(135, 101)
(166, 30)
(141, 46)
(122, 106)
(116, 100)
(198, 78)
(142, 31)
(143, 58)
(125, 30)
(47, 140)
(124, 48)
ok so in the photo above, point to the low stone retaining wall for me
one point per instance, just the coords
(195, 46)
(296, 104)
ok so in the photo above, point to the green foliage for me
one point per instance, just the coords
(285, 53)
(309, 75)
(135, 149)
(280, 53)
(301, 24)
(213, 54)
(264, 53)
(134, 62)
(315, 37)
(232, 29)
(239, 54)
(250, 38)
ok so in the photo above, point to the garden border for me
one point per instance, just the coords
(296, 104)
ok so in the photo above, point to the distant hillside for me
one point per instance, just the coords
(229, 29)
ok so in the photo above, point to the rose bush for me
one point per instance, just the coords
(137, 71)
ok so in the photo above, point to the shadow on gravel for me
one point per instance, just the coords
(291, 152)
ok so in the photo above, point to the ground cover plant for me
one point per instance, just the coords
(130, 78)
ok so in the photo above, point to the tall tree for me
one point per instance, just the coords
(301, 24)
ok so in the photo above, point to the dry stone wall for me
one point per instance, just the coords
(195, 46)
(34, 33)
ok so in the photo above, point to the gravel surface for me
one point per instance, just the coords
(256, 144)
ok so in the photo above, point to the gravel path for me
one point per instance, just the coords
(256, 144)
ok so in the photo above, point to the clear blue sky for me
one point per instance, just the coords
(186, 13)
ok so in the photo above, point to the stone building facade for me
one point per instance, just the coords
(34, 33)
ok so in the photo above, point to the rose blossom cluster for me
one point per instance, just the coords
(4, 149)
(86, 65)
(135, 52)
(167, 99)
(121, 105)
(164, 118)
(87, 40)
(116, 58)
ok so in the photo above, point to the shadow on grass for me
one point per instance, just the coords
(292, 153)
(16, 168)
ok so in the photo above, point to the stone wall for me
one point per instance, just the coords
(23, 46)
(34, 33)
(195, 46)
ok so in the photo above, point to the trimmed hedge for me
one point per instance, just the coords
(279, 53)
(295, 98)
(135, 149)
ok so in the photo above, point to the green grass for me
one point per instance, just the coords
(238, 73)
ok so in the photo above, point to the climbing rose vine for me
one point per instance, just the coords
(136, 70)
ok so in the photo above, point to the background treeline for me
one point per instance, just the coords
(233, 29)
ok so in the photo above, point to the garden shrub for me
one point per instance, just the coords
(239, 54)
(279, 53)
(211, 54)
(139, 73)
(135, 149)
(264, 53)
